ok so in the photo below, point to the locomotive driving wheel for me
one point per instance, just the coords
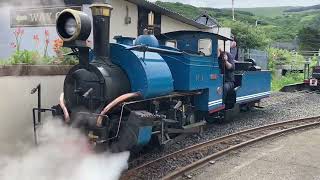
(125, 141)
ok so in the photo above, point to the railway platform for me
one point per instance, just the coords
(293, 156)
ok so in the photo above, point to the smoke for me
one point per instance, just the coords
(63, 154)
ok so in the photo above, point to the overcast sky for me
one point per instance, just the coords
(246, 3)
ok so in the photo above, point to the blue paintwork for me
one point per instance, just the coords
(161, 74)
(192, 71)
(144, 135)
(150, 76)
(255, 85)
(148, 40)
(91, 55)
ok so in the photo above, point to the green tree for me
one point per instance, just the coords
(309, 36)
(248, 36)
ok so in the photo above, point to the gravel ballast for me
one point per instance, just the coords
(278, 107)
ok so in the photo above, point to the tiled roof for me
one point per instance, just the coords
(166, 12)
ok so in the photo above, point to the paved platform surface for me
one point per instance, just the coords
(295, 157)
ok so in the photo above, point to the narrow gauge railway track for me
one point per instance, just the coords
(308, 92)
(178, 163)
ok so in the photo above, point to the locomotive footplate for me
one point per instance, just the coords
(192, 128)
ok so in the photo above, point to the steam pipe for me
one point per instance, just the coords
(64, 108)
(114, 103)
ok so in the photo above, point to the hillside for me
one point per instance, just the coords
(266, 11)
(274, 22)
(193, 12)
(279, 11)
(307, 8)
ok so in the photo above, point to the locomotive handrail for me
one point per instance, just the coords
(37, 123)
(190, 64)
(144, 48)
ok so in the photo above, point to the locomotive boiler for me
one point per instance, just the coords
(123, 95)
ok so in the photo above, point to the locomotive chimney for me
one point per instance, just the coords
(101, 29)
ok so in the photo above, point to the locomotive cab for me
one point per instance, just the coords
(201, 50)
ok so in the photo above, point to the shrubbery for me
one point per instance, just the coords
(24, 57)
(290, 78)
(35, 57)
(285, 57)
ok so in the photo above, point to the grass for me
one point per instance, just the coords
(308, 17)
(292, 78)
(4, 62)
(266, 11)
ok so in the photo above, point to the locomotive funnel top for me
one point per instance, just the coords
(101, 29)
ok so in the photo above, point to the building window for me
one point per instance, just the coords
(205, 47)
(171, 43)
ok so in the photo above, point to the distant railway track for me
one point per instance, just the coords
(308, 91)
(188, 159)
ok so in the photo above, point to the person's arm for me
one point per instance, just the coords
(229, 65)
(228, 61)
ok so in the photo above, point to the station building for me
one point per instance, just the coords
(129, 18)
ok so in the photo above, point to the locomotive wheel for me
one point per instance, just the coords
(191, 118)
(155, 143)
(123, 143)
(217, 118)
(126, 141)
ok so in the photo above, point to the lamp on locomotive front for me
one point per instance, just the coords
(74, 28)
(73, 25)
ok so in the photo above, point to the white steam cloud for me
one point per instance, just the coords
(63, 154)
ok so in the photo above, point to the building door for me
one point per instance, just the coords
(143, 21)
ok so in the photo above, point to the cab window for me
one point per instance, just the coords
(205, 47)
(171, 43)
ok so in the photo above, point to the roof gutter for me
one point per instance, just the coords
(166, 12)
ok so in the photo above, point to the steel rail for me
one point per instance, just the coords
(184, 170)
(297, 123)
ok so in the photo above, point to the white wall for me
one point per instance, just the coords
(118, 26)
(7, 37)
(168, 24)
(223, 32)
(16, 105)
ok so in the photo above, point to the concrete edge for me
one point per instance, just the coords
(34, 70)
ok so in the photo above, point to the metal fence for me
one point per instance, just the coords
(261, 57)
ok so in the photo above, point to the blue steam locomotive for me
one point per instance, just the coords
(125, 94)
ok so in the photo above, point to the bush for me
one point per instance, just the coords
(283, 57)
(68, 60)
(33, 57)
(291, 78)
(24, 57)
